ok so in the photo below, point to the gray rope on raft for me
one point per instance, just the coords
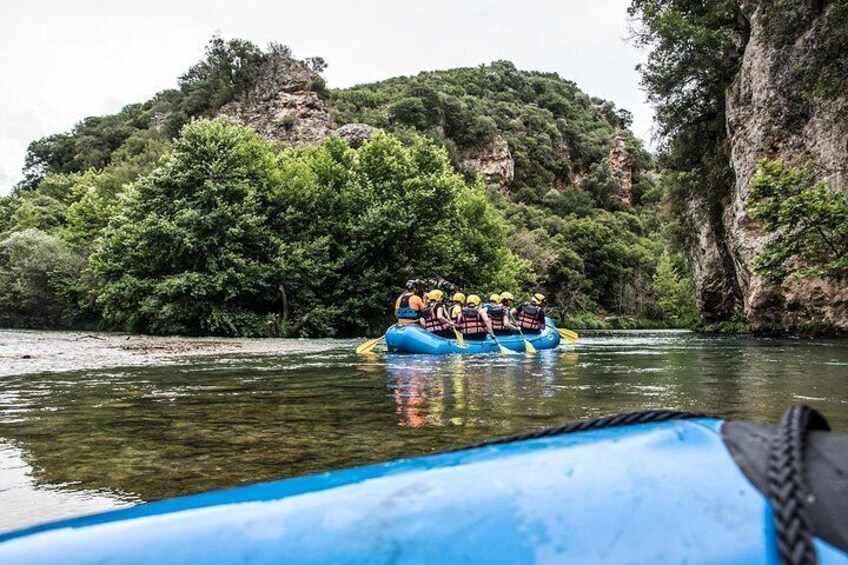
(786, 478)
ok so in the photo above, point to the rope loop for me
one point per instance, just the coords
(787, 489)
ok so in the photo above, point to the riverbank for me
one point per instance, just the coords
(36, 351)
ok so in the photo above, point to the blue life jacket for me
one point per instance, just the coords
(405, 311)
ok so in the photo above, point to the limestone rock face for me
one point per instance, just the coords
(284, 104)
(716, 291)
(621, 165)
(493, 161)
(355, 134)
(771, 115)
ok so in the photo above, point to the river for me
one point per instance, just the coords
(184, 416)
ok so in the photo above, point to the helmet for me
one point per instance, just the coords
(496, 298)
(507, 296)
(459, 297)
(435, 295)
(473, 300)
(411, 284)
(538, 298)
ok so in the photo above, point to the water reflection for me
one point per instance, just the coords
(155, 432)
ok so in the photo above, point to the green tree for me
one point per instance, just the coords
(229, 238)
(675, 295)
(191, 251)
(39, 280)
(809, 218)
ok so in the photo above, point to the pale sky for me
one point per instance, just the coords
(63, 60)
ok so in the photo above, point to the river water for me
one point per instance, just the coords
(74, 442)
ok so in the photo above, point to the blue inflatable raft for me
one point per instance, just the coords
(687, 490)
(415, 339)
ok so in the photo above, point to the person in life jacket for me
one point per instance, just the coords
(499, 316)
(456, 307)
(409, 305)
(473, 321)
(530, 316)
(434, 316)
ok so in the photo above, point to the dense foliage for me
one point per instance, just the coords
(694, 50)
(810, 218)
(591, 250)
(555, 132)
(229, 237)
(40, 280)
(205, 228)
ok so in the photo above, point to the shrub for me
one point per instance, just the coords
(39, 280)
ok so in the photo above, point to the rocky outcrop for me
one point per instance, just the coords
(773, 113)
(716, 292)
(621, 165)
(355, 134)
(493, 161)
(284, 103)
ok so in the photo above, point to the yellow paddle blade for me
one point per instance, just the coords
(504, 350)
(369, 345)
(460, 341)
(568, 335)
(529, 349)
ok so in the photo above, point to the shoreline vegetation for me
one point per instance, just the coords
(168, 219)
(171, 218)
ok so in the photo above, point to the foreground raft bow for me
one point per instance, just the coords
(647, 487)
(415, 339)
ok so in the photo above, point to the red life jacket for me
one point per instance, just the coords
(496, 317)
(472, 322)
(530, 316)
(431, 318)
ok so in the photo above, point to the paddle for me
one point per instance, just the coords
(460, 341)
(567, 335)
(529, 349)
(369, 345)
(501, 348)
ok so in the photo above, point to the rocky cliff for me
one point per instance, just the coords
(493, 161)
(284, 103)
(777, 107)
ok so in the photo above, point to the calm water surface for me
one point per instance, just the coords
(77, 442)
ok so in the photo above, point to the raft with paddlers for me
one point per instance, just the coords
(645, 487)
(415, 339)
(428, 325)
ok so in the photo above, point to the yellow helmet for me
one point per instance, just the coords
(496, 298)
(459, 297)
(473, 300)
(435, 295)
(507, 296)
(538, 298)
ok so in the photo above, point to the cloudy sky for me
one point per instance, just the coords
(62, 60)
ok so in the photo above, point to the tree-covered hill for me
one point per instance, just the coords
(157, 219)
(555, 133)
(589, 221)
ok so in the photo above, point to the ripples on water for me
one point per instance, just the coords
(71, 443)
